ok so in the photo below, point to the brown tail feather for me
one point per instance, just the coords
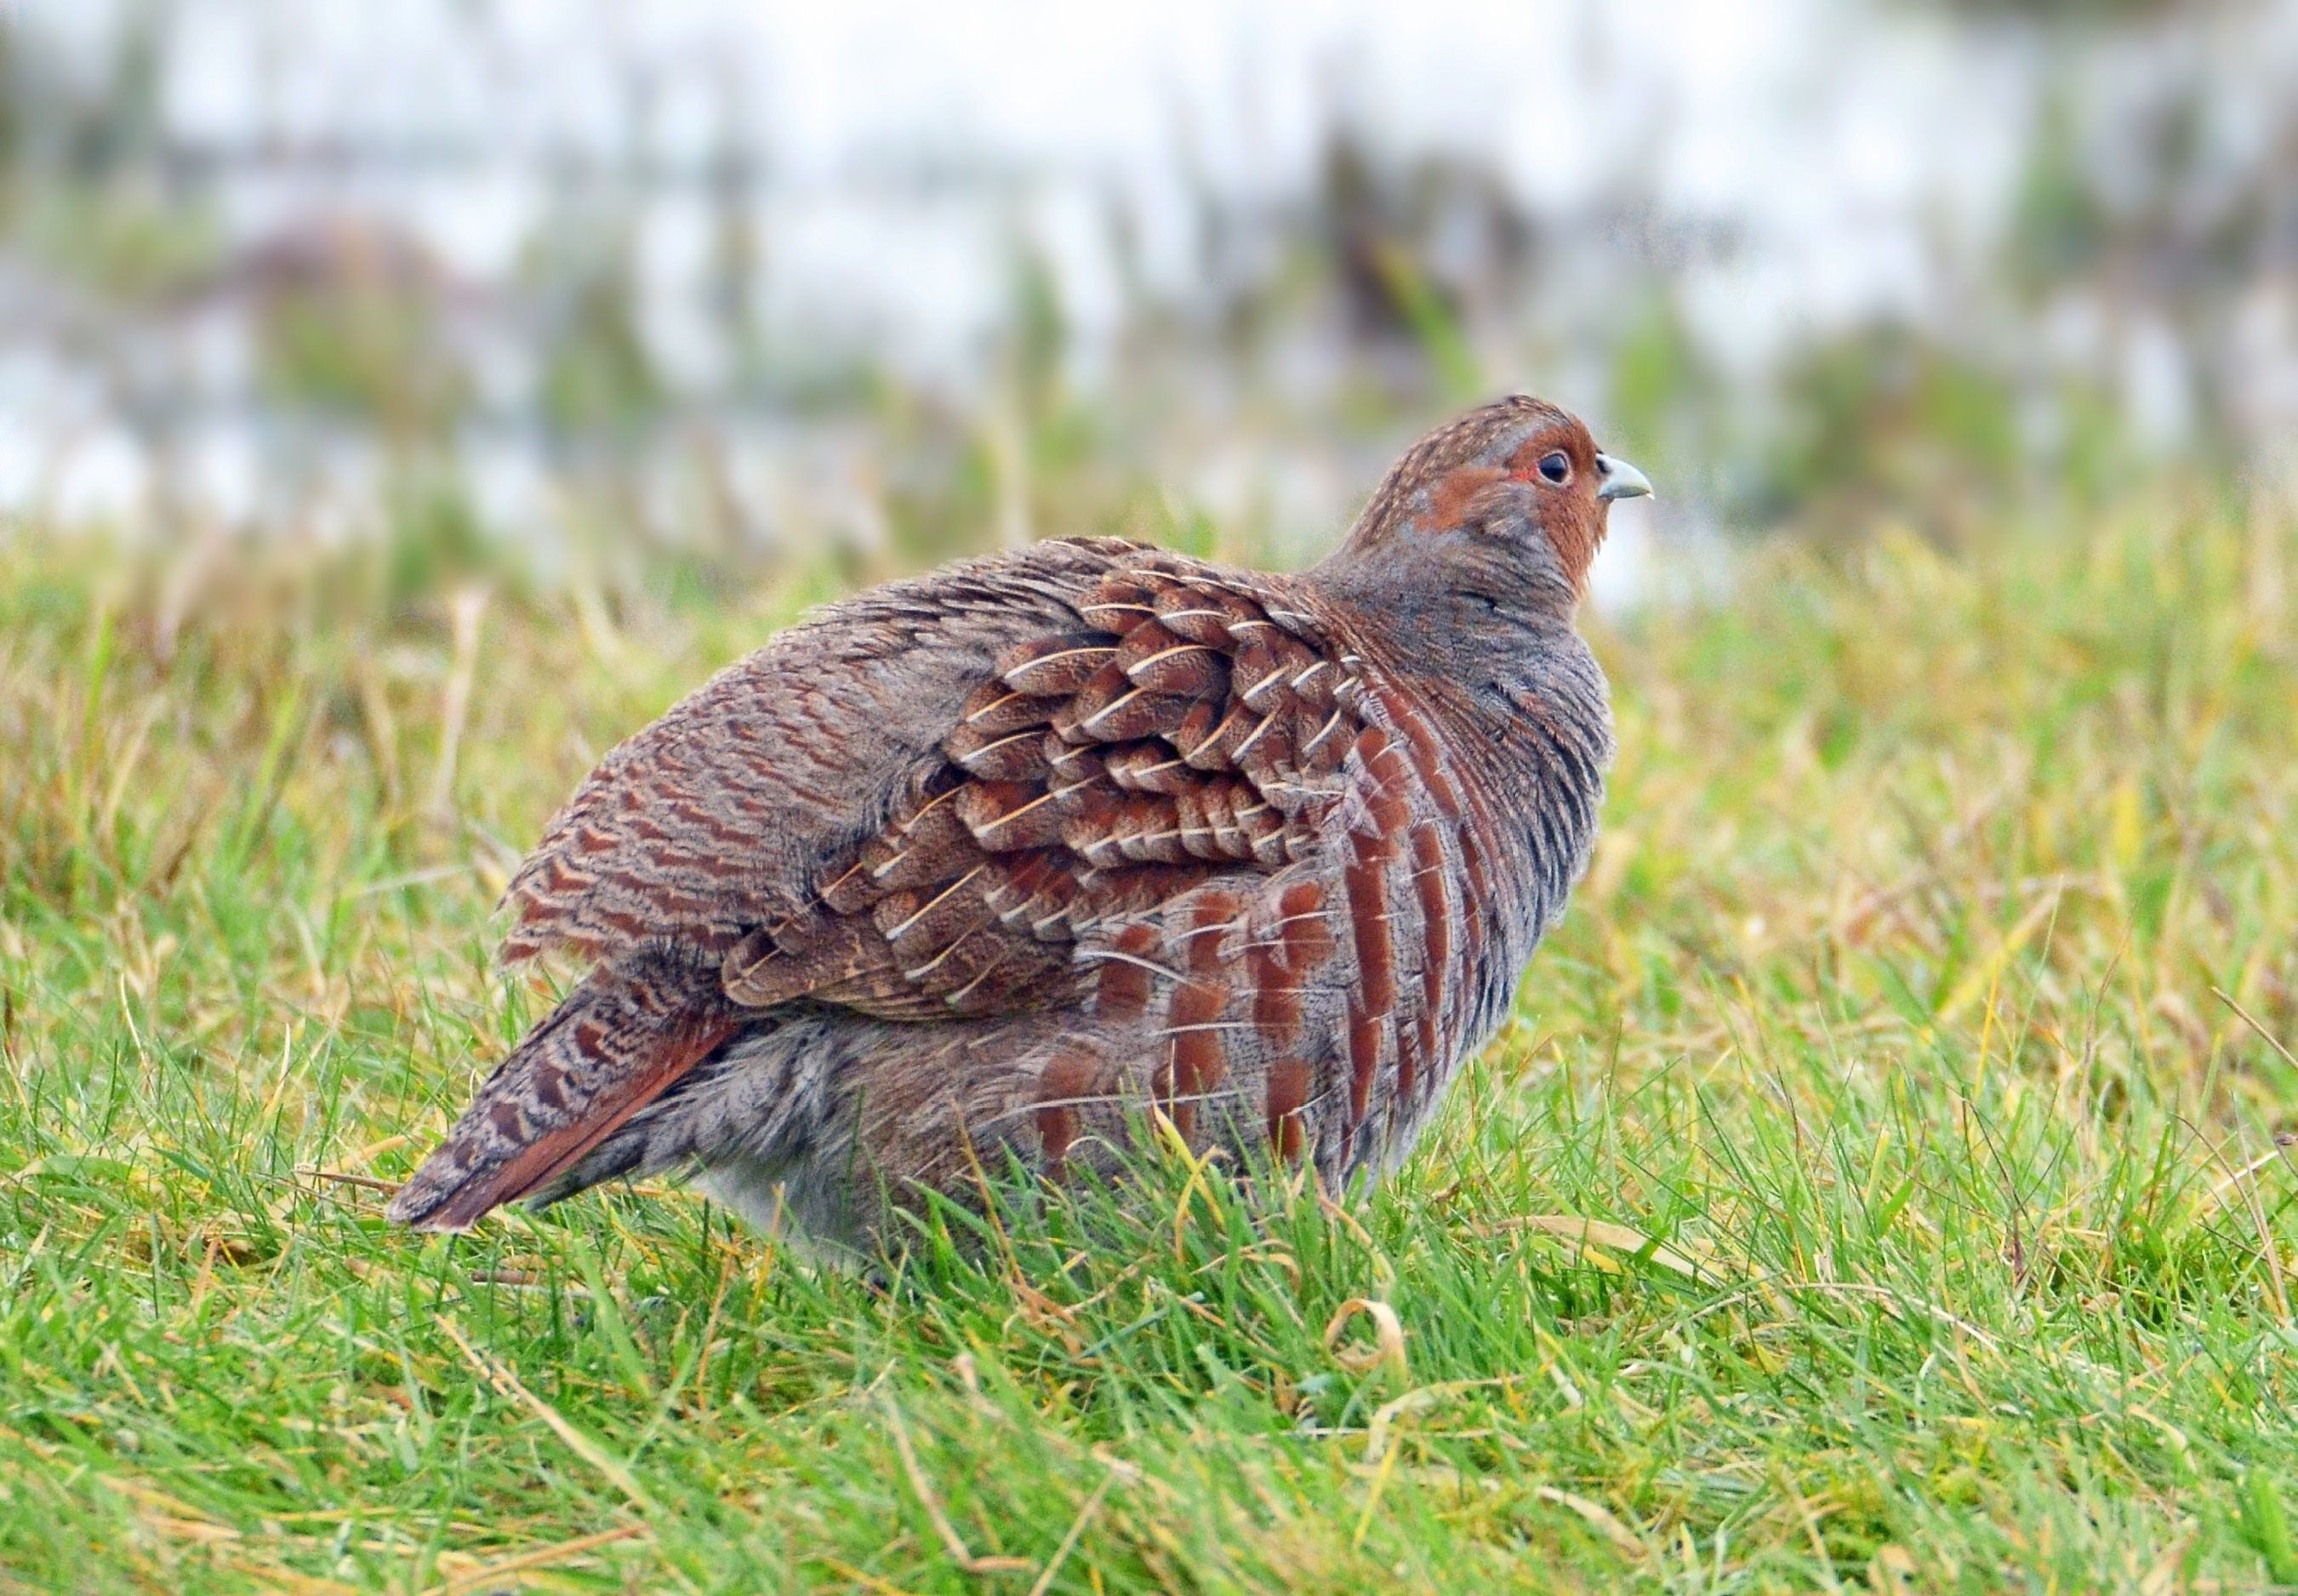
(616, 1044)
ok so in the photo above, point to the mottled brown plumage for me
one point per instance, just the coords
(988, 863)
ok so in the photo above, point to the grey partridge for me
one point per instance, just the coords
(984, 866)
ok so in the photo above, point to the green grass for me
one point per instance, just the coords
(1942, 1237)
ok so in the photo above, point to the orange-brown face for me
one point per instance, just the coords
(1517, 460)
(1559, 460)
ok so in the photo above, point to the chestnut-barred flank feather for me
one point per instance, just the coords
(989, 863)
(625, 1034)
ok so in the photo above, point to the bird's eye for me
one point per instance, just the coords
(1556, 467)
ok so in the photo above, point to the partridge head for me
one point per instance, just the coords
(990, 864)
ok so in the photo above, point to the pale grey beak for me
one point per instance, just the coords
(1620, 480)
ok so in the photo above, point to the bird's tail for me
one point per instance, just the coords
(618, 1041)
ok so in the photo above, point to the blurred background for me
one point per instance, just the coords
(884, 282)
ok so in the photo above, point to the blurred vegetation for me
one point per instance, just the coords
(1889, 424)
(363, 350)
(598, 379)
(126, 241)
(1392, 290)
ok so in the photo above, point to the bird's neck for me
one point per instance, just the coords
(1525, 721)
(1493, 627)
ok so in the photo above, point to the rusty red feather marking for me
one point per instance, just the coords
(1199, 1061)
(1427, 753)
(1055, 666)
(1412, 1053)
(1418, 915)
(1066, 1078)
(1390, 799)
(1214, 914)
(1431, 883)
(1288, 1094)
(1365, 1033)
(1365, 883)
(1199, 1057)
(1365, 875)
(1125, 979)
(1458, 799)
(1275, 998)
(1451, 494)
(1305, 931)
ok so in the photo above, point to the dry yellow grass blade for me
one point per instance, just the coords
(1606, 1522)
(540, 1557)
(1389, 1347)
(501, 1379)
(960, 1554)
(1604, 1233)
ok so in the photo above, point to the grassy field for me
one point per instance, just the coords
(1881, 1187)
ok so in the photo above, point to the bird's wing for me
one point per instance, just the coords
(1186, 724)
(729, 812)
(623, 1037)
